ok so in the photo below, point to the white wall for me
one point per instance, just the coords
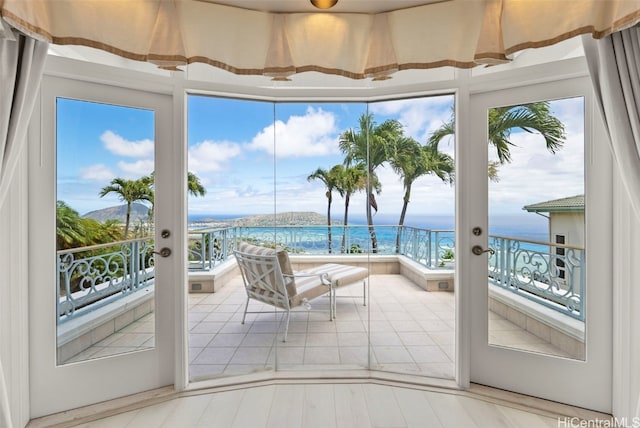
(571, 225)
(13, 294)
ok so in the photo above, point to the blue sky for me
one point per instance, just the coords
(231, 150)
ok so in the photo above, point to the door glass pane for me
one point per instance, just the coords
(536, 224)
(320, 201)
(294, 176)
(105, 280)
(231, 200)
(412, 313)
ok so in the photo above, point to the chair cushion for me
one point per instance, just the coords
(283, 261)
(310, 287)
(340, 275)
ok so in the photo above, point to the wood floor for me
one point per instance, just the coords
(325, 405)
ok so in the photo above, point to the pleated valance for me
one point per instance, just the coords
(459, 33)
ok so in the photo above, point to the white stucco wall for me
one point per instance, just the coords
(570, 225)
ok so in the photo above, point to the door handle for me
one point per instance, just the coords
(164, 252)
(478, 250)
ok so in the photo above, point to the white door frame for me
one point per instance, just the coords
(581, 383)
(97, 380)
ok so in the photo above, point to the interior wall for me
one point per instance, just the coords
(13, 294)
(626, 307)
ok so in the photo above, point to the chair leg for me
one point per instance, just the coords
(332, 303)
(286, 326)
(364, 292)
(246, 306)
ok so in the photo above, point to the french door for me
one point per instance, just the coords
(537, 243)
(102, 314)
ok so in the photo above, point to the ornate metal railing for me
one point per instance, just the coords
(207, 248)
(550, 274)
(91, 277)
(431, 248)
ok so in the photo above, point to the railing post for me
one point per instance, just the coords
(506, 262)
(135, 256)
(58, 296)
(429, 249)
(437, 258)
(203, 250)
(225, 239)
(582, 307)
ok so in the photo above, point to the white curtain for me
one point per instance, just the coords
(614, 65)
(21, 63)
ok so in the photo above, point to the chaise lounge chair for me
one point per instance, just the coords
(268, 278)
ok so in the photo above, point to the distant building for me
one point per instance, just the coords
(566, 219)
(566, 224)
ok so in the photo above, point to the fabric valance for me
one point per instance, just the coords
(458, 33)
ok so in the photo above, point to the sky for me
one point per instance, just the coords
(231, 150)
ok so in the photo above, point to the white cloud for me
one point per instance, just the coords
(419, 116)
(117, 145)
(134, 170)
(313, 134)
(536, 175)
(97, 172)
(210, 156)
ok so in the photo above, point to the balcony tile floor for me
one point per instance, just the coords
(411, 331)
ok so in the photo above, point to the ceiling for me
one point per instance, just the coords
(343, 6)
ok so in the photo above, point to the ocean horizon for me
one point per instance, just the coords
(524, 226)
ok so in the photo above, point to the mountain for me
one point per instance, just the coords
(139, 212)
(291, 218)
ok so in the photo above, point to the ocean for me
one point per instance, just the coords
(526, 226)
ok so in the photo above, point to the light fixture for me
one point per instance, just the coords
(324, 4)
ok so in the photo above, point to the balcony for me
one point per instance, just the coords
(407, 327)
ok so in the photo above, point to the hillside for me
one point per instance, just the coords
(291, 218)
(139, 212)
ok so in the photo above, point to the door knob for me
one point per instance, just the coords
(478, 250)
(164, 252)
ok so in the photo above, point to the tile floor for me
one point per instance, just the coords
(137, 336)
(411, 331)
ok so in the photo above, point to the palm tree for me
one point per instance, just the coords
(73, 231)
(70, 231)
(194, 186)
(352, 179)
(331, 180)
(410, 160)
(129, 191)
(534, 117)
(369, 146)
